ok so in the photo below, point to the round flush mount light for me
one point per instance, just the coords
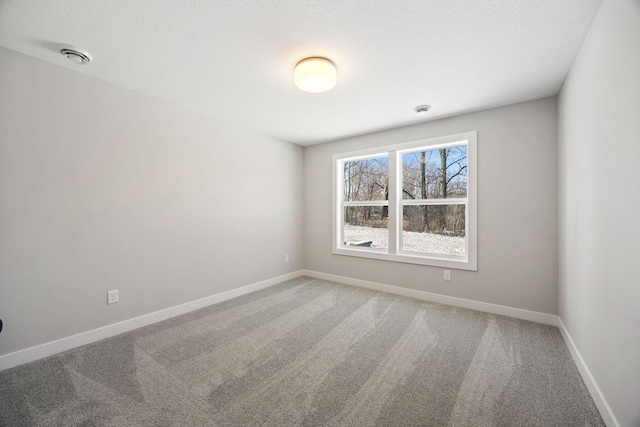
(422, 110)
(315, 75)
(76, 55)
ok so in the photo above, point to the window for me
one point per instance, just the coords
(413, 202)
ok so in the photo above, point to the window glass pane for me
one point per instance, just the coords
(366, 226)
(435, 229)
(366, 179)
(435, 174)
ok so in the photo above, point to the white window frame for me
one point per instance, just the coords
(396, 202)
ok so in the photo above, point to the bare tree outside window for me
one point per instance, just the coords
(413, 202)
(366, 180)
(435, 174)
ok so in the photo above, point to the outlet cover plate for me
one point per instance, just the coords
(112, 296)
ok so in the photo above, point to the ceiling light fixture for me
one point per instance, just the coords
(315, 75)
(76, 55)
(422, 110)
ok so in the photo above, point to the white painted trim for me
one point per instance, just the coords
(422, 202)
(394, 218)
(366, 203)
(48, 349)
(601, 403)
(518, 313)
(394, 252)
(444, 261)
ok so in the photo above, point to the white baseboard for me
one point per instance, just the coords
(518, 313)
(48, 349)
(598, 398)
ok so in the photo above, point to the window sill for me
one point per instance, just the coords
(457, 264)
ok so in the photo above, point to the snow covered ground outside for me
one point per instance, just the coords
(411, 240)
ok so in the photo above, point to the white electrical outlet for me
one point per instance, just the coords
(447, 275)
(286, 258)
(112, 296)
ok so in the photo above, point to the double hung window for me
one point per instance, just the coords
(413, 202)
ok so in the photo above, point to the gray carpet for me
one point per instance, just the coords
(309, 353)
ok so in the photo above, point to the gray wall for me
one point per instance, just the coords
(599, 155)
(517, 209)
(103, 188)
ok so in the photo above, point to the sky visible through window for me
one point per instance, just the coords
(427, 182)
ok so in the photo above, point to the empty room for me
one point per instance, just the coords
(320, 213)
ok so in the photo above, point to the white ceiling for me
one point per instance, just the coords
(234, 59)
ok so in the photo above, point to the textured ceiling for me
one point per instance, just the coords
(234, 59)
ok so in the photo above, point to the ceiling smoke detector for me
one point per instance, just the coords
(76, 55)
(422, 110)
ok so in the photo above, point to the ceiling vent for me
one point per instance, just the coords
(421, 110)
(75, 55)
